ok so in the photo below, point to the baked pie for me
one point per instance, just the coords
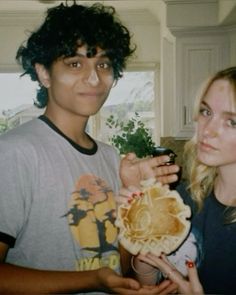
(155, 221)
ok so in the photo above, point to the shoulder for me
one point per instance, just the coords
(108, 151)
(22, 131)
(22, 138)
(107, 147)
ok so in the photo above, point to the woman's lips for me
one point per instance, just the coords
(206, 146)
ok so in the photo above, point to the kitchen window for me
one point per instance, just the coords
(134, 92)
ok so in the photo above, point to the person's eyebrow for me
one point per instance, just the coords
(205, 104)
(229, 113)
(99, 54)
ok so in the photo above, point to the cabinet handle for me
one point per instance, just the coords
(185, 115)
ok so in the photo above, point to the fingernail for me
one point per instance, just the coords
(167, 159)
(137, 195)
(161, 255)
(134, 195)
(190, 264)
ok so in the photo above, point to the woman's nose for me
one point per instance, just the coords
(211, 128)
(93, 78)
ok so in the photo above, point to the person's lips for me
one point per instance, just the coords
(204, 146)
(90, 94)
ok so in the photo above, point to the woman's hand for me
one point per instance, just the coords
(112, 282)
(145, 272)
(189, 286)
(133, 170)
(127, 194)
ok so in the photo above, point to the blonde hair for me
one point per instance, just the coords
(201, 177)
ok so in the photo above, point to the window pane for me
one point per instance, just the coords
(133, 93)
(16, 103)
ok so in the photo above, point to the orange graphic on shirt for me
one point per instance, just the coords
(91, 218)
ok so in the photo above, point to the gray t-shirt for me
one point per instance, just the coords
(57, 201)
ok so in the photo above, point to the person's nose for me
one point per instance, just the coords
(92, 77)
(212, 128)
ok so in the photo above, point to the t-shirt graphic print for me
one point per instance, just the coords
(92, 224)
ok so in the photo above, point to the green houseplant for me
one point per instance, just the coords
(131, 136)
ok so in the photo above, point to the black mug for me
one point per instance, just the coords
(160, 150)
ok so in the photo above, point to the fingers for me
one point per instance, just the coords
(163, 172)
(133, 170)
(127, 194)
(166, 287)
(130, 284)
(150, 259)
(117, 284)
(167, 179)
(170, 288)
(190, 286)
(129, 190)
(164, 266)
(130, 157)
(166, 170)
(158, 161)
(193, 278)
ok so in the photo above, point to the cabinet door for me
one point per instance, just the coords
(197, 59)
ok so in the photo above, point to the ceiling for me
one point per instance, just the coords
(41, 4)
(226, 12)
(149, 8)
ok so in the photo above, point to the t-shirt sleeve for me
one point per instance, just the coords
(14, 191)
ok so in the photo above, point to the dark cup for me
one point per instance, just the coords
(160, 150)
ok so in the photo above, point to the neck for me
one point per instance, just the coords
(72, 127)
(225, 187)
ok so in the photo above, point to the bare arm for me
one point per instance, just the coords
(15, 279)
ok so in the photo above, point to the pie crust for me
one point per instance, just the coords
(155, 221)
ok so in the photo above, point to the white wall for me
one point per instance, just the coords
(225, 9)
(15, 27)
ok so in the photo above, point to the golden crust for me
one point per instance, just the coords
(155, 222)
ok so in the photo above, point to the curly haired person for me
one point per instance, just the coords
(58, 185)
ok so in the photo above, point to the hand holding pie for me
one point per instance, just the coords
(155, 222)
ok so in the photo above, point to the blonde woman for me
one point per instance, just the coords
(211, 192)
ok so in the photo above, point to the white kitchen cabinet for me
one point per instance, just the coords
(197, 57)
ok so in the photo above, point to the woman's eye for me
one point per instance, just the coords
(231, 123)
(205, 112)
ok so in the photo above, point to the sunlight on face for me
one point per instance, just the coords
(79, 85)
(216, 126)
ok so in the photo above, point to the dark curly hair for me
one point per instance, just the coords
(65, 29)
